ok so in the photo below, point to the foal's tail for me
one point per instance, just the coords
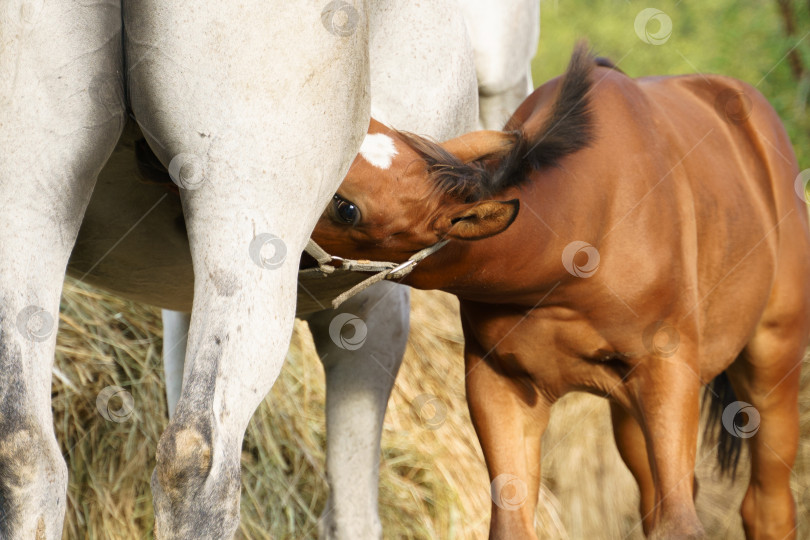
(718, 395)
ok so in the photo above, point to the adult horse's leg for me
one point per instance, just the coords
(258, 112)
(504, 36)
(175, 337)
(407, 41)
(497, 104)
(361, 346)
(61, 111)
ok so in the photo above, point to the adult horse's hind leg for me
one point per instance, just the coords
(259, 118)
(175, 338)
(61, 112)
(504, 36)
(361, 346)
(497, 106)
(767, 376)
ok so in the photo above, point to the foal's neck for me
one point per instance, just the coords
(513, 266)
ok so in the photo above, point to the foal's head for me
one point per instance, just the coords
(404, 193)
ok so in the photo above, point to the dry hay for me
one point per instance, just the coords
(433, 481)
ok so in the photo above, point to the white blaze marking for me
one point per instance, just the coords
(379, 150)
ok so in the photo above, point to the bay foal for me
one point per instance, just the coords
(633, 238)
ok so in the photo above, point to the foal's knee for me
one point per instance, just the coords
(33, 480)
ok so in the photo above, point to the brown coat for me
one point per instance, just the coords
(659, 245)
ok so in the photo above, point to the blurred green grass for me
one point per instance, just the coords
(742, 39)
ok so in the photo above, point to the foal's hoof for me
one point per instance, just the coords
(679, 529)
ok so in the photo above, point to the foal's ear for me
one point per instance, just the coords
(480, 145)
(480, 220)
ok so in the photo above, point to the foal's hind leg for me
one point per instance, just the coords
(767, 376)
(60, 115)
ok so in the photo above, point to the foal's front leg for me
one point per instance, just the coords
(666, 394)
(633, 449)
(510, 419)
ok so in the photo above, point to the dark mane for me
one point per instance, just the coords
(466, 181)
(568, 128)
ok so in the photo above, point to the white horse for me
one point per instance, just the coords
(358, 381)
(266, 151)
(504, 36)
(152, 263)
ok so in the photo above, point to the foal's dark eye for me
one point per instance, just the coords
(346, 211)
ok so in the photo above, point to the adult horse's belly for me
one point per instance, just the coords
(133, 240)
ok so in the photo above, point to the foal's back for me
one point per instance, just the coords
(687, 192)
